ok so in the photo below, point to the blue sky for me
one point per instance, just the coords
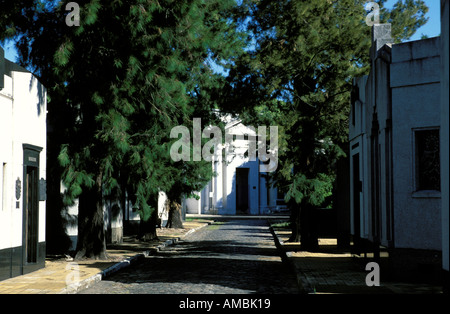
(431, 29)
(10, 52)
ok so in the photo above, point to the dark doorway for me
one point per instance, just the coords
(31, 213)
(33, 253)
(242, 190)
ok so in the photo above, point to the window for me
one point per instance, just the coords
(427, 161)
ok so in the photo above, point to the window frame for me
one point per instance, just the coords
(418, 191)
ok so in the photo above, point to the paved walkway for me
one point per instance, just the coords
(330, 270)
(326, 271)
(61, 276)
(233, 256)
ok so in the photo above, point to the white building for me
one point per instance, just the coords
(239, 186)
(394, 154)
(23, 133)
(444, 138)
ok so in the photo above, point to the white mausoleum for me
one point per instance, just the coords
(239, 186)
(395, 147)
(23, 133)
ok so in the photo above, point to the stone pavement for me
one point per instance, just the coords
(63, 276)
(229, 257)
(330, 270)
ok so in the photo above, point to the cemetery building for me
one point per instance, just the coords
(395, 172)
(239, 187)
(444, 137)
(23, 129)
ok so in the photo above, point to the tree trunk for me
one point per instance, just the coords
(147, 229)
(305, 231)
(304, 226)
(308, 228)
(175, 216)
(91, 224)
(295, 222)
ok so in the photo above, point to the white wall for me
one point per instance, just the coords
(410, 84)
(163, 214)
(445, 131)
(415, 102)
(23, 112)
(222, 187)
(7, 182)
(358, 145)
(193, 205)
(70, 214)
(30, 127)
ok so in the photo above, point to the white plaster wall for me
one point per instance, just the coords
(445, 130)
(235, 160)
(417, 219)
(193, 205)
(130, 213)
(415, 62)
(30, 127)
(414, 81)
(263, 196)
(162, 212)
(358, 128)
(367, 187)
(360, 133)
(356, 132)
(6, 175)
(224, 184)
(354, 141)
(23, 111)
(218, 195)
(273, 194)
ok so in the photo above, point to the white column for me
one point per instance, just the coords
(263, 201)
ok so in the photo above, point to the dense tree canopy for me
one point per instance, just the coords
(133, 70)
(117, 85)
(297, 74)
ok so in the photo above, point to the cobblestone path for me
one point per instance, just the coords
(229, 257)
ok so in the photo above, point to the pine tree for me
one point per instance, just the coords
(120, 81)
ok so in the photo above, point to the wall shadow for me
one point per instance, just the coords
(40, 93)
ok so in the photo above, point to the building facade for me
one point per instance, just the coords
(23, 133)
(239, 187)
(394, 138)
(445, 7)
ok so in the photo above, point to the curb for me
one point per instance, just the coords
(302, 281)
(86, 283)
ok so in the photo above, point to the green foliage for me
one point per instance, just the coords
(120, 81)
(298, 75)
(134, 69)
(405, 17)
(313, 191)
